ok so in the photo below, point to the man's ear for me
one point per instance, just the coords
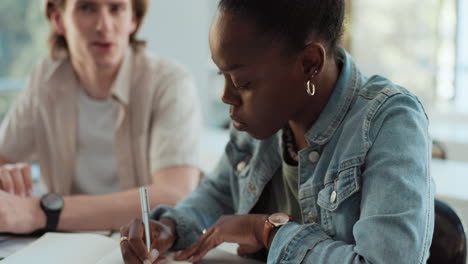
(312, 59)
(57, 22)
(134, 25)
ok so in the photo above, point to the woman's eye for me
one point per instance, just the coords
(244, 86)
(234, 81)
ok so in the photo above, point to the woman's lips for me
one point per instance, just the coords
(238, 124)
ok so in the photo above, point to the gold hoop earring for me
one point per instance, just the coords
(310, 88)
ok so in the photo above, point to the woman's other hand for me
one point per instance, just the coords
(245, 230)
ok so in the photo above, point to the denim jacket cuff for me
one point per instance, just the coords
(185, 234)
(293, 241)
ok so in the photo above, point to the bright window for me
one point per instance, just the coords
(417, 46)
(461, 79)
(23, 37)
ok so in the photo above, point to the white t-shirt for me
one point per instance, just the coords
(95, 167)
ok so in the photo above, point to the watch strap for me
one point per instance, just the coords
(52, 217)
(52, 221)
(266, 233)
(268, 227)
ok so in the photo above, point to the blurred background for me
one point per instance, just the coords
(417, 46)
(421, 46)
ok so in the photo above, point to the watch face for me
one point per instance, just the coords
(278, 219)
(52, 201)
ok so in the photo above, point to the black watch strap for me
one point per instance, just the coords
(52, 221)
(52, 205)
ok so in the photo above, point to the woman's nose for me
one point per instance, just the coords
(230, 96)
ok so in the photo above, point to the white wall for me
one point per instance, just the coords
(462, 55)
(178, 29)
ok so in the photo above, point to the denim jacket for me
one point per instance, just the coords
(365, 190)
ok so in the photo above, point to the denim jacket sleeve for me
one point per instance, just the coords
(201, 208)
(397, 213)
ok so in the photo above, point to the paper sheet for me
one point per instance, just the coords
(83, 248)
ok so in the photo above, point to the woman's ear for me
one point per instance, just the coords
(57, 22)
(313, 59)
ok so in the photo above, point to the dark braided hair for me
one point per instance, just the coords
(293, 22)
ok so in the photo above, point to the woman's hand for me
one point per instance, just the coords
(133, 245)
(246, 230)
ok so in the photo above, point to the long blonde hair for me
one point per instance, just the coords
(58, 44)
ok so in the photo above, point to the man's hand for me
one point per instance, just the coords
(246, 230)
(20, 215)
(133, 246)
(16, 179)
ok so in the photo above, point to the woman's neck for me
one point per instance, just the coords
(96, 81)
(325, 83)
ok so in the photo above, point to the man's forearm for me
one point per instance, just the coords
(84, 212)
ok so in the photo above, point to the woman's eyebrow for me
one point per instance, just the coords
(233, 67)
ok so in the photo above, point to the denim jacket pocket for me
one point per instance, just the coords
(332, 197)
(344, 185)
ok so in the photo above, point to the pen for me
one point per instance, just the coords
(145, 215)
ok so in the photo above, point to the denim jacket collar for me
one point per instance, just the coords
(338, 104)
(323, 129)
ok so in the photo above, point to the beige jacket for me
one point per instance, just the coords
(158, 125)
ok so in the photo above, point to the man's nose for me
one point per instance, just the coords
(104, 21)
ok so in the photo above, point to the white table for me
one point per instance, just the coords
(451, 180)
(225, 253)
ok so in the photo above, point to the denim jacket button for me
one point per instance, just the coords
(252, 188)
(333, 197)
(314, 156)
(241, 165)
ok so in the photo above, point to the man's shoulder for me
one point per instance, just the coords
(46, 72)
(155, 65)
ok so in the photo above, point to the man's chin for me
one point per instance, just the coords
(107, 63)
(108, 60)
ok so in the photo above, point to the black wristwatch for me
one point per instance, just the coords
(52, 205)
